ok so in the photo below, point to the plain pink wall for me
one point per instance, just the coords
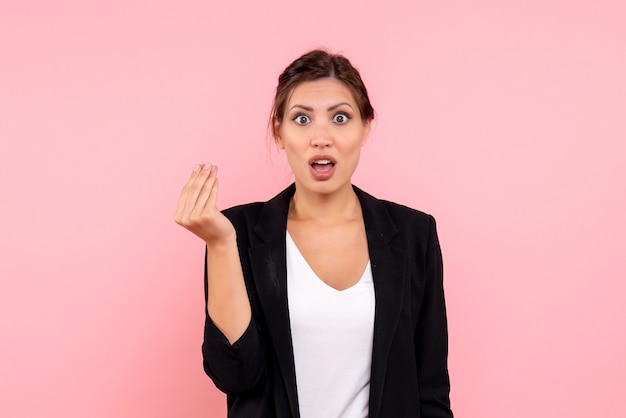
(506, 121)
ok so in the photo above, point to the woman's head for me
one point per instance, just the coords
(315, 65)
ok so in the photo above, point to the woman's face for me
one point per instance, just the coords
(322, 134)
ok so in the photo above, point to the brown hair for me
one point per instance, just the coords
(315, 65)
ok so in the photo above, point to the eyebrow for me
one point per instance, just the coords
(310, 109)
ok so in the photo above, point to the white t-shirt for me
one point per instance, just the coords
(332, 333)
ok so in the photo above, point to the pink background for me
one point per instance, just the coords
(506, 120)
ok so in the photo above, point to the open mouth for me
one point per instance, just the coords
(322, 165)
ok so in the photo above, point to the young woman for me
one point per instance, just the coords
(323, 301)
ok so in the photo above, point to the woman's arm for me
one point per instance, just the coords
(227, 304)
(431, 337)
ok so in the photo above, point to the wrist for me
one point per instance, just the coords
(222, 243)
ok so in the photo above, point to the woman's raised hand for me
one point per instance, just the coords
(227, 298)
(197, 209)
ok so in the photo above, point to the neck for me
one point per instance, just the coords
(340, 205)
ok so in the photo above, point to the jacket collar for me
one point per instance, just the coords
(272, 222)
(268, 260)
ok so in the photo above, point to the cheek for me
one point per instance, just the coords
(294, 139)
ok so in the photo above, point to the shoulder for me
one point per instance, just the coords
(415, 228)
(404, 213)
(268, 216)
(242, 213)
(400, 215)
(255, 209)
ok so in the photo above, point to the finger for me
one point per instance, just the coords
(207, 194)
(198, 182)
(182, 199)
(212, 201)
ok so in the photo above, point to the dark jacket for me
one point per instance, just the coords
(409, 360)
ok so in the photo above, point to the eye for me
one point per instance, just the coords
(301, 119)
(341, 118)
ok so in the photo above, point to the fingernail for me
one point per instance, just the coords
(196, 168)
(207, 166)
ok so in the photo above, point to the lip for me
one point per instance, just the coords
(322, 157)
(322, 175)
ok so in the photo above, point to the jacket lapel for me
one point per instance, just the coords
(269, 268)
(388, 272)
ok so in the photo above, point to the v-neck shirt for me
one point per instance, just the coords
(332, 334)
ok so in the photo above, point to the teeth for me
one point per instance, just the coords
(322, 162)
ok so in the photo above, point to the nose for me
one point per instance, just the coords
(321, 137)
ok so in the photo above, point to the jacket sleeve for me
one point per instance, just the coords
(431, 336)
(235, 368)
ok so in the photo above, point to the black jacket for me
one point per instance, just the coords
(409, 361)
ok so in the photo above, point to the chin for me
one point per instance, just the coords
(326, 187)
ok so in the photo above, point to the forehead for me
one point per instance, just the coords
(325, 91)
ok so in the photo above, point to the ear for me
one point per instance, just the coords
(277, 138)
(367, 128)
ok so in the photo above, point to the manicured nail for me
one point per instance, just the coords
(207, 166)
(196, 168)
